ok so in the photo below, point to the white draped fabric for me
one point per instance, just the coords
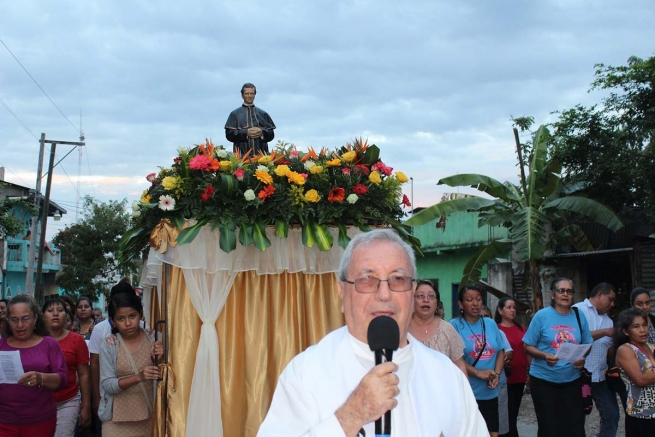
(209, 274)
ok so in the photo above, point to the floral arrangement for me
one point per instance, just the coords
(242, 195)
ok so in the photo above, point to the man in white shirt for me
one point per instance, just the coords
(335, 389)
(595, 309)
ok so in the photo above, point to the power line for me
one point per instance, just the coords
(69, 179)
(93, 187)
(21, 179)
(17, 118)
(37, 84)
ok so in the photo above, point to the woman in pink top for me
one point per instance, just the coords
(27, 408)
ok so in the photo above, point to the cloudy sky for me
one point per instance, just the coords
(433, 83)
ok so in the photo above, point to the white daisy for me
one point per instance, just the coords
(167, 203)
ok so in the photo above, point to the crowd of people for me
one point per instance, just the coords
(504, 360)
(61, 392)
(463, 377)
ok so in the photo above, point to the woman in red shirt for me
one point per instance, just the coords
(74, 400)
(517, 376)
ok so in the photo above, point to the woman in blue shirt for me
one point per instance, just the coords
(555, 385)
(483, 353)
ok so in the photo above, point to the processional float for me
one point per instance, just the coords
(240, 269)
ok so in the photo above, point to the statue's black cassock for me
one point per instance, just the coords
(238, 123)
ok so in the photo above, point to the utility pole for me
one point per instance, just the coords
(38, 291)
(31, 253)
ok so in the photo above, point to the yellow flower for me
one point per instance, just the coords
(334, 163)
(170, 182)
(316, 169)
(375, 177)
(312, 196)
(145, 197)
(296, 178)
(264, 159)
(225, 165)
(401, 177)
(263, 176)
(282, 170)
(349, 156)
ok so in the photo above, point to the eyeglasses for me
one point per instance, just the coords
(568, 291)
(431, 297)
(371, 284)
(24, 320)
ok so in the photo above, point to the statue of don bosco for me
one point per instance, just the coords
(249, 127)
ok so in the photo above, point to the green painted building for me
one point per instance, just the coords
(447, 245)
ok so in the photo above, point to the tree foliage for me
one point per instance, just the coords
(88, 248)
(10, 226)
(536, 212)
(609, 146)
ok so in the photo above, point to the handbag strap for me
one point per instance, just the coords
(577, 316)
(135, 370)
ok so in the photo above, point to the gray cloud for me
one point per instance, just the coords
(433, 83)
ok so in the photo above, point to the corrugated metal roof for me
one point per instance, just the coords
(595, 252)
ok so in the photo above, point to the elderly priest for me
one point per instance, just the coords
(335, 388)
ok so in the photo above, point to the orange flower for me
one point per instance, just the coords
(296, 178)
(266, 192)
(337, 194)
(208, 149)
(214, 165)
(263, 176)
(310, 154)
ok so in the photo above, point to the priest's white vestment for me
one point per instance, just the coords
(435, 397)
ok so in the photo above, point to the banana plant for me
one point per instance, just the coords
(534, 213)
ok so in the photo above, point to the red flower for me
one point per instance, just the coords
(362, 169)
(283, 162)
(207, 193)
(382, 168)
(406, 201)
(266, 192)
(176, 160)
(151, 177)
(360, 189)
(337, 194)
(346, 171)
(239, 173)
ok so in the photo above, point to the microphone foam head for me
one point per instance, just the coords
(383, 333)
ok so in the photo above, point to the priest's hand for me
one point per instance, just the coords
(374, 396)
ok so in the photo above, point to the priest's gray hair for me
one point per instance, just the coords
(366, 238)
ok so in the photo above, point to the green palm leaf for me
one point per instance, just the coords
(538, 166)
(482, 183)
(473, 268)
(589, 208)
(528, 232)
(449, 207)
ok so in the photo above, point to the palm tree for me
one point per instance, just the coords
(535, 212)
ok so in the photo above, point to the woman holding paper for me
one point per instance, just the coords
(27, 407)
(555, 384)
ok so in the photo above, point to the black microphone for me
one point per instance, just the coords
(383, 338)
